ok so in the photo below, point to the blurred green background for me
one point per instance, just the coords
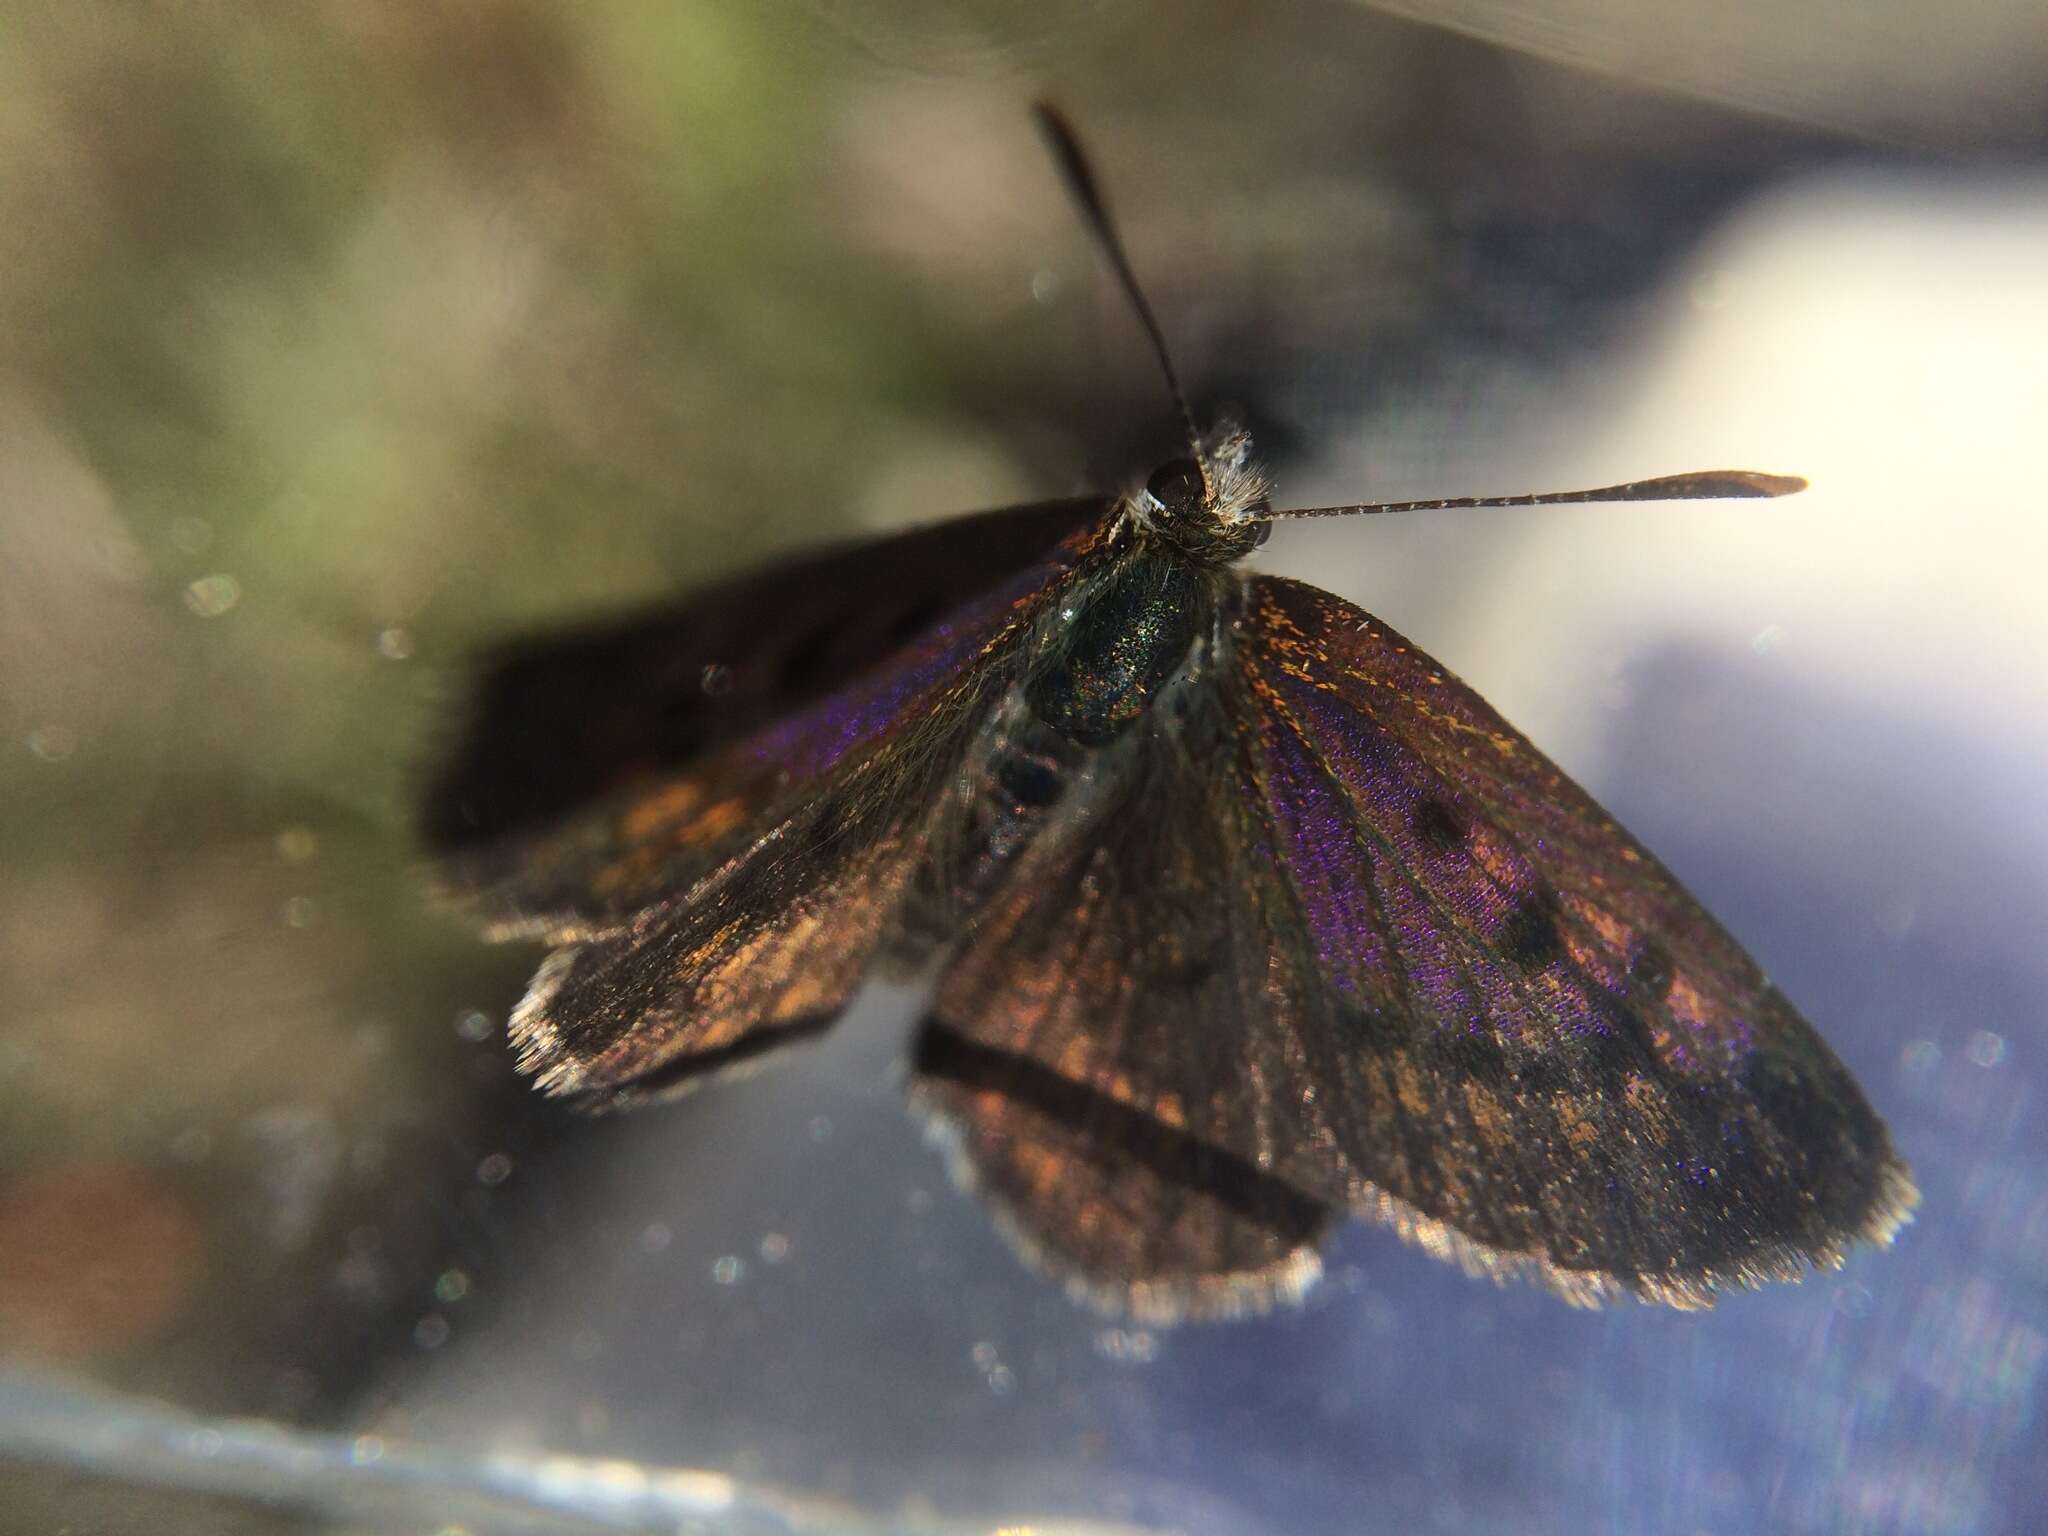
(339, 339)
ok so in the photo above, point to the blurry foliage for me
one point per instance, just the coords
(393, 328)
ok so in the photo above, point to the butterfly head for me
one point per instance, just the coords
(1212, 509)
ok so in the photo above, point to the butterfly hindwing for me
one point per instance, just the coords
(1095, 1052)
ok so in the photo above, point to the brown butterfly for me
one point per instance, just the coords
(1245, 915)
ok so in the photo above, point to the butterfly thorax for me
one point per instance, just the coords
(1121, 638)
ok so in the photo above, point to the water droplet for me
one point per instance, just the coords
(431, 1331)
(728, 1269)
(715, 680)
(774, 1248)
(211, 596)
(395, 643)
(495, 1169)
(1985, 1049)
(52, 743)
(296, 845)
(473, 1025)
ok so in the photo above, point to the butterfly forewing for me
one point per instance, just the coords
(1548, 1056)
(710, 913)
(892, 628)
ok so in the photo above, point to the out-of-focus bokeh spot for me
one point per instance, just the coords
(99, 1258)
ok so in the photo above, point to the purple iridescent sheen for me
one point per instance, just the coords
(817, 739)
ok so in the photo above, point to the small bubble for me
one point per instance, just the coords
(1045, 285)
(1985, 1049)
(1768, 639)
(1920, 1056)
(191, 535)
(715, 680)
(431, 1331)
(395, 643)
(473, 1025)
(451, 1286)
(52, 743)
(728, 1269)
(211, 596)
(1002, 1381)
(655, 1237)
(298, 912)
(984, 1354)
(296, 845)
(366, 1449)
(774, 1248)
(494, 1170)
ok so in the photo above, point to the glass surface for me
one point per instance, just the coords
(343, 339)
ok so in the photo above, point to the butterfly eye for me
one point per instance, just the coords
(1177, 487)
(1261, 531)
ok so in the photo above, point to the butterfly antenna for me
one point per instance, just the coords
(1087, 194)
(1702, 485)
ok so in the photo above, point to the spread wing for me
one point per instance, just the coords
(1549, 1054)
(1340, 938)
(596, 773)
(1101, 1054)
(711, 913)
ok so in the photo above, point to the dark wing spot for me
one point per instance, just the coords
(1383, 1036)
(1474, 1054)
(1650, 968)
(914, 620)
(1530, 938)
(1438, 825)
(804, 663)
(1030, 784)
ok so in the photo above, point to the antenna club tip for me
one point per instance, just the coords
(1775, 485)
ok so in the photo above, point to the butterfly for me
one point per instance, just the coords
(1239, 915)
